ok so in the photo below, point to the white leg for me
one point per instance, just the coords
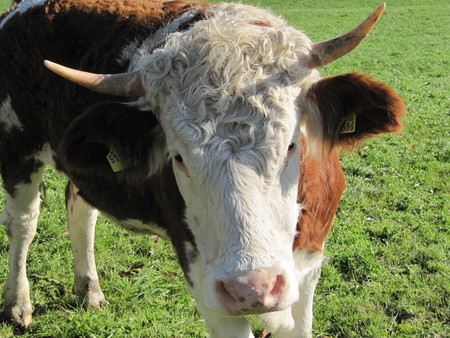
(81, 224)
(309, 266)
(20, 217)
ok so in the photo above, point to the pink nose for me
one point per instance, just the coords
(252, 293)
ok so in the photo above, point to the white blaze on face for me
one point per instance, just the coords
(238, 173)
(228, 107)
(240, 193)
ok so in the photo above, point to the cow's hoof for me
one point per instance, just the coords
(90, 293)
(95, 300)
(21, 316)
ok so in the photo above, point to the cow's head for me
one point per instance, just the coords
(230, 94)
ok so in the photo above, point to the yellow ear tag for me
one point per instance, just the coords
(349, 125)
(119, 159)
(114, 161)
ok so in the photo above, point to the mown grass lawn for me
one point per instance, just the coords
(388, 270)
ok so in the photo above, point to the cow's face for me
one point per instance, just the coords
(239, 181)
(229, 112)
(238, 178)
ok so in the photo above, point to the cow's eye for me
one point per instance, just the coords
(178, 158)
(180, 163)
(291, 147)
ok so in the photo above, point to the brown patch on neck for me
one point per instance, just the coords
(320, 189)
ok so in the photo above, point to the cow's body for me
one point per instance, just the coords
(232, 135)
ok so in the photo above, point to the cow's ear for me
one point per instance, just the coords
(345, 109)
(112, 137)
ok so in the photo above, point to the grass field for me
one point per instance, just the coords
(388, 268)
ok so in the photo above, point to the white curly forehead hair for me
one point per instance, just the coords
(237, 71)
(239, 61)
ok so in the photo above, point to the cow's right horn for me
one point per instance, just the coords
(124, 84)
(327, 51)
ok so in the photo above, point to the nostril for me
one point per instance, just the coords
(228, 296)
(273, 295)
(279, 286)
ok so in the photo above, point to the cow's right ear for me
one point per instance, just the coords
(113, 137)
(345, 109)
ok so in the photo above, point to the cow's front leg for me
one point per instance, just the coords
(81, 224)
(20, 217)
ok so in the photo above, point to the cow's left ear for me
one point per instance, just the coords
(345, 109)
(111, 137)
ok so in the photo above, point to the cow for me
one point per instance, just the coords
(206, 124)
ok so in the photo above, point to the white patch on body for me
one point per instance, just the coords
(46, 155)
(8, 117)
(21, 8)
(135, 225)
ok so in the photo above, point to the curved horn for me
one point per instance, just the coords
(124, 84)
(327, 51)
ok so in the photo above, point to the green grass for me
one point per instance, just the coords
(387, 272)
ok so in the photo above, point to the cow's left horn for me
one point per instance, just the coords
(124, 84)
(327, 51)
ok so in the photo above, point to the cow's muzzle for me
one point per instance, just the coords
(255, 292)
